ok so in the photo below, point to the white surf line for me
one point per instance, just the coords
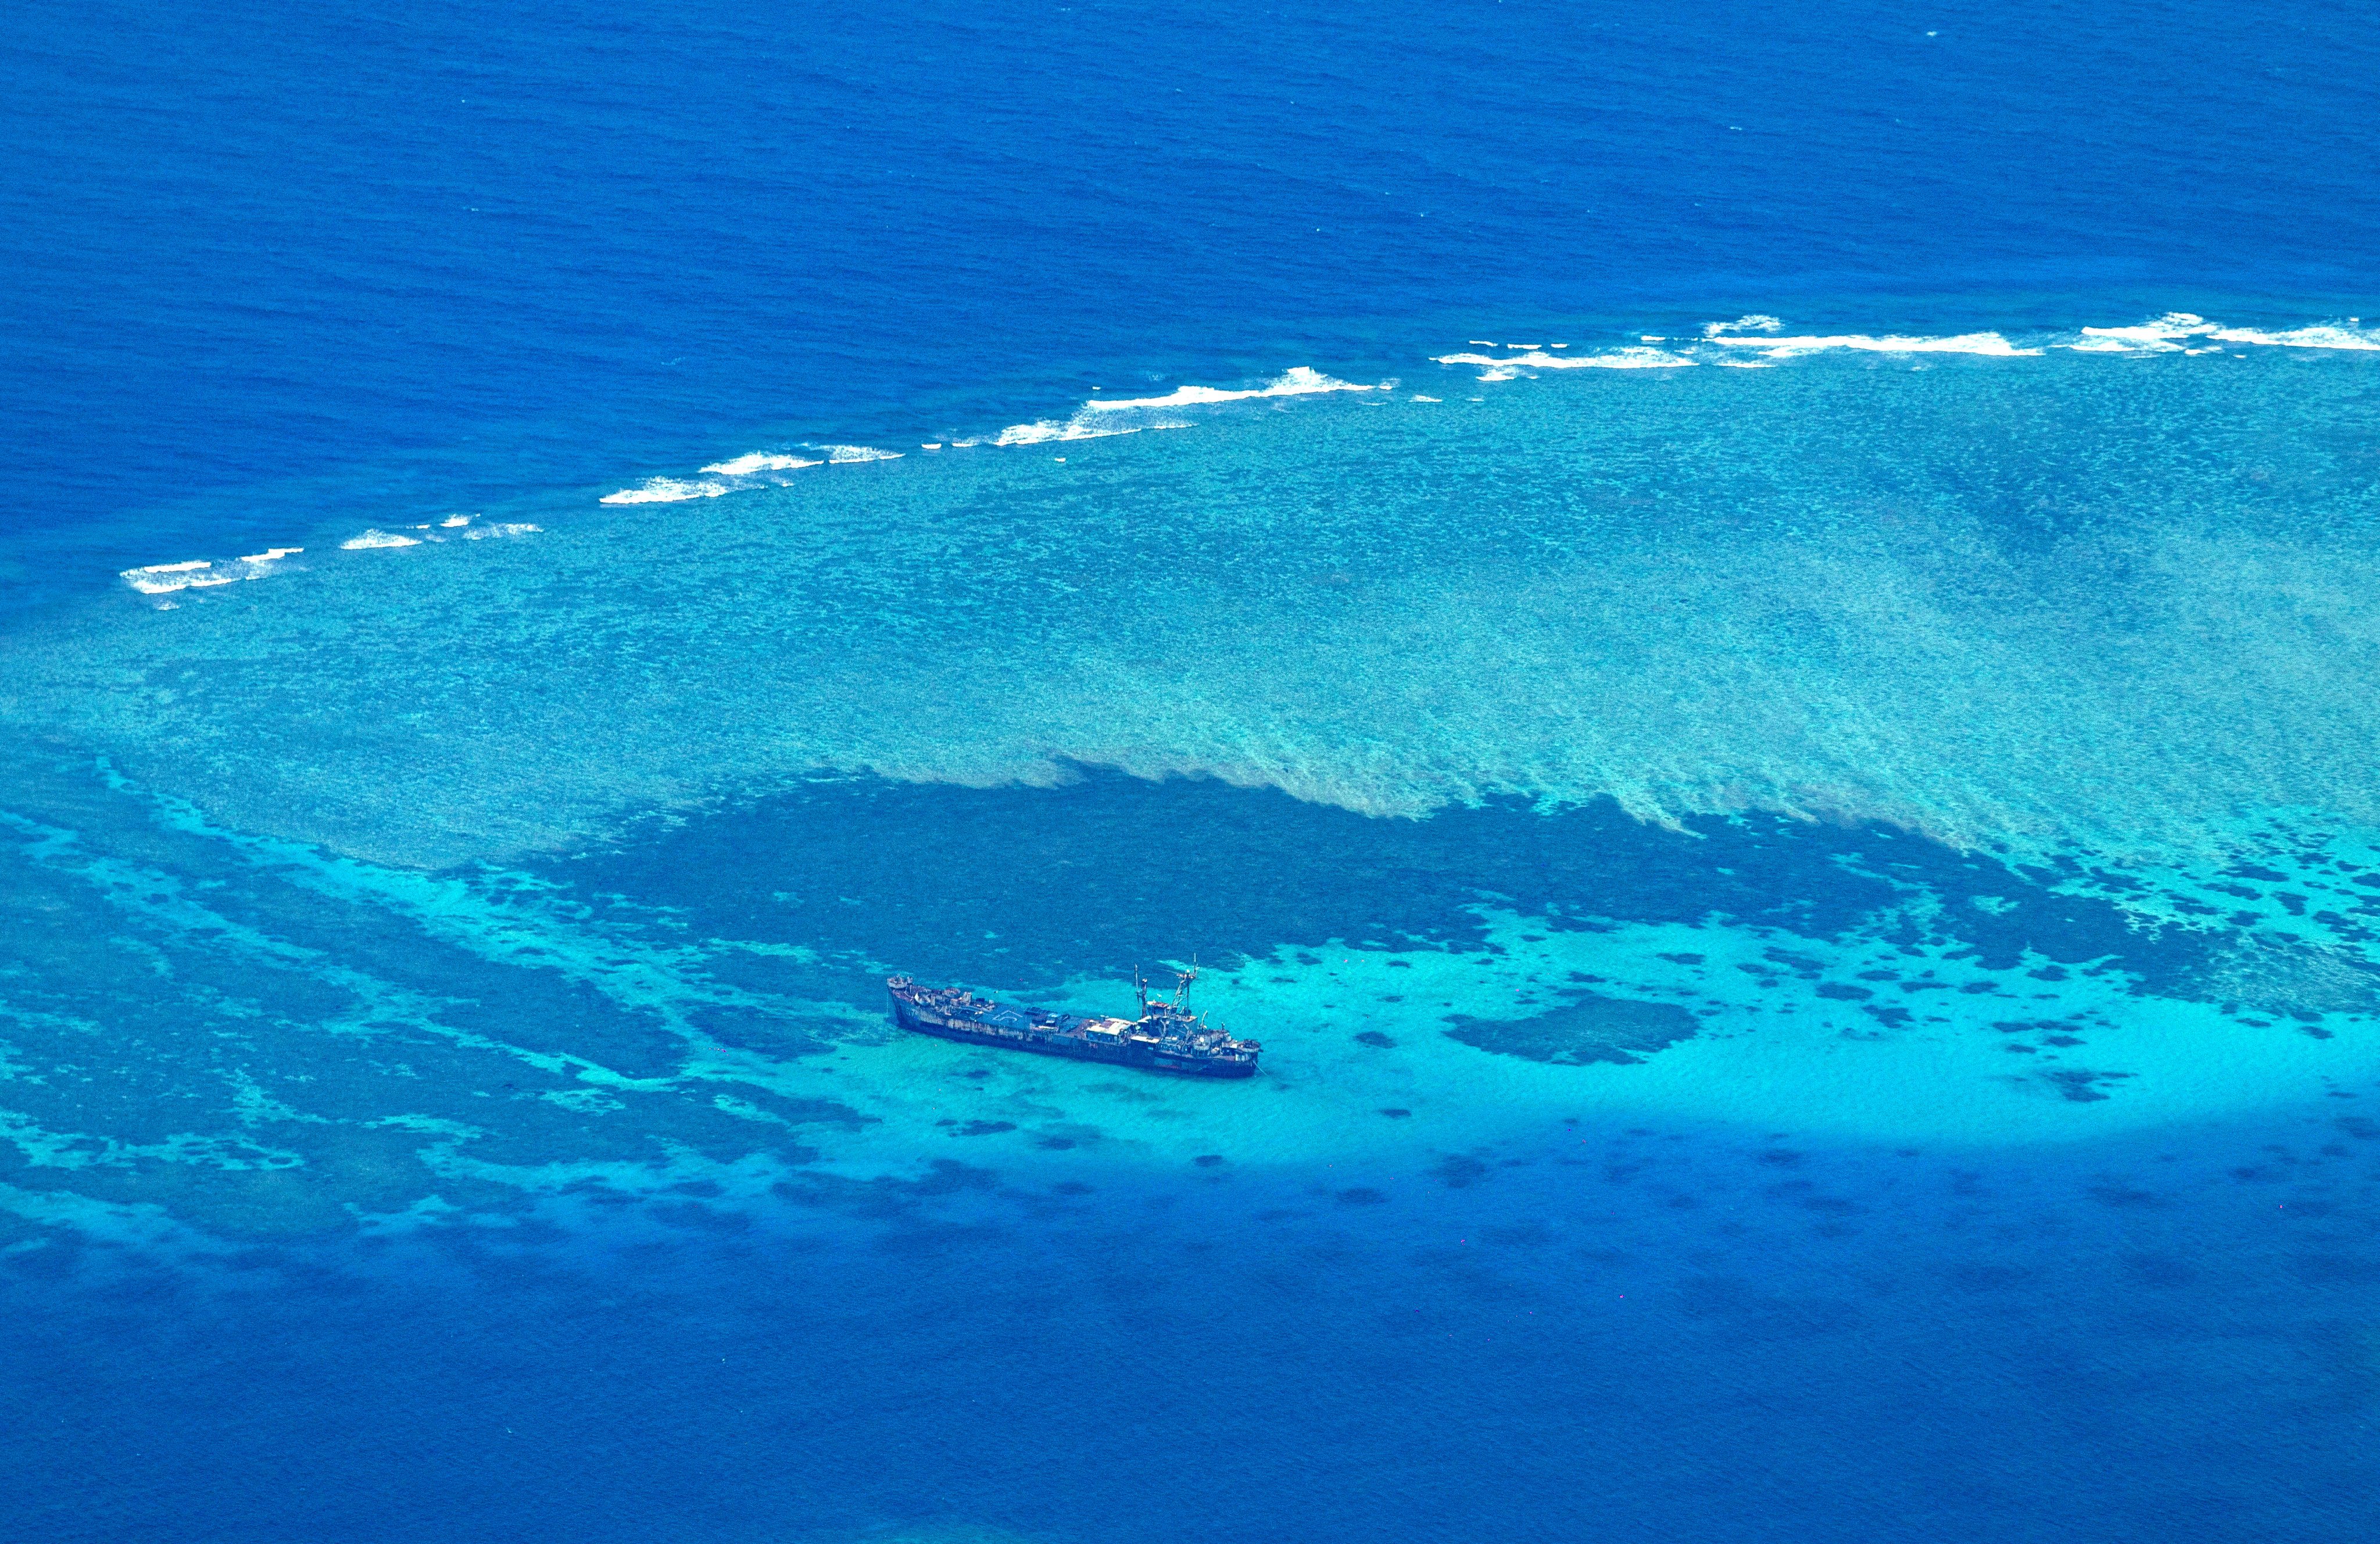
(1756, 340)
(164, 579)
(758, 469)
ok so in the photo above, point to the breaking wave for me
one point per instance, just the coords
(167, 578)
(164, 579)
(2181, 332)
(1098, 419)
(1298, 381)
(667, 490)
(1510, 366)
(1754, 341)
(1991, 344)
(1080, 426)
(761, 461)
(758, 469)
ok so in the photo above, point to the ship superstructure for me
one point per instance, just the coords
(1166, 1037)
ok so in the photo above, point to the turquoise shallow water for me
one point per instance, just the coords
(1811, 924)
(1961, 742)
(2114, 599)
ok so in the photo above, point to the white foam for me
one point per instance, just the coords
(377, 538)
(2330, 336)
(1510, 366)
(1050, 431)
(1298, 381)
(744, 471)
(1754, 322)
(188, 581)
(518, 527)
(161, 578)
(762, 461)
(2167, 333)
(164, 579)
(2176, 331)
(666, 490)
(1103, 416)
(1991, 344)
(451, 521)
(1418, 397)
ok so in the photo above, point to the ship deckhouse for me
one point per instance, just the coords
(1166, 1037)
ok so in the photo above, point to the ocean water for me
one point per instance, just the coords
(1744, 639)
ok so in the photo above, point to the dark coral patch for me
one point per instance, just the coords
(1460, 1172)
(1586, 1030)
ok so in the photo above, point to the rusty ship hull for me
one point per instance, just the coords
(1164, 1039)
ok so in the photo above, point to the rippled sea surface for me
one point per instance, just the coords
(1745, 643)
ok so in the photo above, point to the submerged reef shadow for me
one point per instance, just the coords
(1590, 1028)
(1032, 886)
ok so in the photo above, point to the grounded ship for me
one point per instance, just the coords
(1165, 1037)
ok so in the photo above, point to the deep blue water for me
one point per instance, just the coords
(439, 255)
(441, 1094)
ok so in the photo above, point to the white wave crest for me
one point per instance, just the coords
(666, 490)
(757, 461)
(2330, 336)
(1049, 431)
(1506, 368)
(2176, 331)
(2168, 334)
(517, 527)
(1755, 322)
(1297, 381)
(843, 456)
(164, 579)
(376, 537)
(1991, 344)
